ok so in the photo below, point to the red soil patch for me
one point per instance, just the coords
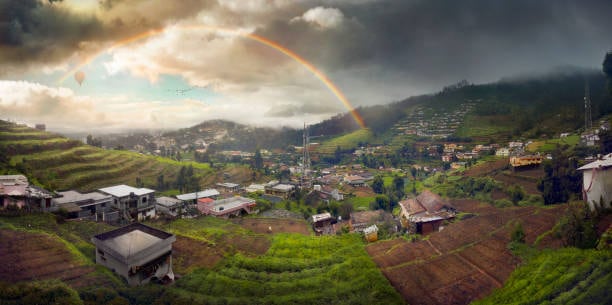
(466, 260)
(189, 253)
(278, 225)
(29, 256)
(487, 168)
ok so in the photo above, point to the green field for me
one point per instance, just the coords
(345, 142)
(550, 145)
(479, 126)
(563, 276)
(296, 269)
(58, 163)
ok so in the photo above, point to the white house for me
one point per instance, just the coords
(597, 182)
(133, 203)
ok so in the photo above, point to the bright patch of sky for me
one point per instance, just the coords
(99, 82)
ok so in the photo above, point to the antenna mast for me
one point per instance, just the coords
(305, 182)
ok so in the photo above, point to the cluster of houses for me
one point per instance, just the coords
(123, 203)
(436, 124)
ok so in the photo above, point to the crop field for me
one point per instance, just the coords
(36, 248)
(347, 141)
(563, 276)
(325, 270)
(59, 163)
(466, 260)
(274, 225)
(526, 178)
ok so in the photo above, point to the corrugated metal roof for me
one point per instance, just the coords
(606, 161)
(198, 195)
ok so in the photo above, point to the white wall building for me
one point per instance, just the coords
(597, 182)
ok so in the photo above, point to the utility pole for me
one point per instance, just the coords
(305, 181)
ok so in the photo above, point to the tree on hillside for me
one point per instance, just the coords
(561, 180)
(398, 187)
(378, 185)
(607, 70)
(258, 160)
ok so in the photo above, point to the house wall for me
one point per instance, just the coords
(601, 187)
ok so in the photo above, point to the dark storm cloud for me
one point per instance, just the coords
(445, 41)
(46, 32)
(32, 30)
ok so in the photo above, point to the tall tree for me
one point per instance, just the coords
(378, 185)
(607, 70)
(258, 160)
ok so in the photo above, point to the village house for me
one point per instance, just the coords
(229, 207)
(525, 161)
(322, 223)
(191, 198)
(280, 190)
(371, 233)
(228, 187)
(16, 190)
(361, 220)
(136, 252)
(330, 192)
(447, 158)
(354, 180)
(92, 206)
(424, 214)
(597, 182)
(132, 203)
(503, 152)
(254, 188)
(168, 206)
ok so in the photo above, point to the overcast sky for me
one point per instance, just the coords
(201, 65)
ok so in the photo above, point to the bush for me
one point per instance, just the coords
(518, 234)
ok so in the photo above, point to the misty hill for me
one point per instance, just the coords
(59, 163)
(527, 106)
(235, 136)
(534, 100)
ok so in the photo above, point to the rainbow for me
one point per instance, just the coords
(322, 77)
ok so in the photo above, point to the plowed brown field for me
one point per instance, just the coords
(466, 260)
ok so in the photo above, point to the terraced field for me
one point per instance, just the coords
(347, 141)
(59, 163)
(465, 261)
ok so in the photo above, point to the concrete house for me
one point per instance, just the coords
(229, 207)
(132, 203)
(323, 223)
(228, 187)
(168, 206)
(17, 191)
(280, 190)
(597, 182)
(192, 198)
(93, 206)
(136, 252)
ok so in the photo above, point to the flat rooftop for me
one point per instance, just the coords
(123, 190)
(198, 195)
(131, 239)
(231, 203)
(76, 197)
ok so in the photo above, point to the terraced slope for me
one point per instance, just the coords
(59, 163)
(347, 141)
(465, 261)
(34, 247)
